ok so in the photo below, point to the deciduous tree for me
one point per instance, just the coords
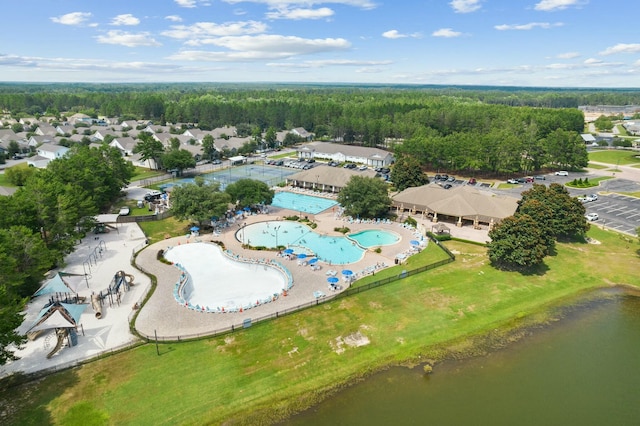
(516, 243)
(365, 197)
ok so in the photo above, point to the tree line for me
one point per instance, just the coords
(43, 221)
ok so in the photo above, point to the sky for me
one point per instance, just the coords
(538, 43)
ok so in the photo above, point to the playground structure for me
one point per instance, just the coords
(121, 281)
(64, 318)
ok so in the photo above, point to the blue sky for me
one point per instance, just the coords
(551, 43)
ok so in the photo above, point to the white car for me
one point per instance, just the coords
(591, 216)
(562, 173)
(591, 197)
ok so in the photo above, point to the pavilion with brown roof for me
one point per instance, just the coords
(462, 204)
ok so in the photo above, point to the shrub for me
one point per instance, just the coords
(342, 229)
(411, 221)
(378, 250)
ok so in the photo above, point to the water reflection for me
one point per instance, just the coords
(585, 370)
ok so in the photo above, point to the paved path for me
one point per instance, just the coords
(164, 316)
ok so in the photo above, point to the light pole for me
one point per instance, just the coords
(277, 228)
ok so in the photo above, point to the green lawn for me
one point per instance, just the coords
(593, 182)
(596, 166)
(4, 181)
(142, 173)
(614, 156)
(160, 229)
(256, 375)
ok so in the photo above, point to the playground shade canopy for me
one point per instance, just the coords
(58, 315)
(54, 285)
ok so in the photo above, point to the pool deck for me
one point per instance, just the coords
(162, 314)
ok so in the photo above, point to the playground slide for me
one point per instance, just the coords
(62, 334)
(33, 335)
(95, 304)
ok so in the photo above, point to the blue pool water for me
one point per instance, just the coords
(301, 202)
(375, 238)
(302, 239)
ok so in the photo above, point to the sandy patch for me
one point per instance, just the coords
(353, 340)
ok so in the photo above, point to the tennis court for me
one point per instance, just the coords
(271, 175)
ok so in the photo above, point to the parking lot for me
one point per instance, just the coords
(618, 212)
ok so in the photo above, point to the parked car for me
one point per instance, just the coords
(152, 195)
(513, 181)
(332, 164)
(447, 186)
(562, 173)
(539, 177)
(591, 216)
(216, 161)
(363, 167)
(591, 197)
(472, 181)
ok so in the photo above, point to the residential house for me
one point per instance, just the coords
(45, 129)
(124, 144)
(46, 153)
(65, 129)
(373, 157)
(302, 133)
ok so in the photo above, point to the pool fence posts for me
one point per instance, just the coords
(157, 348)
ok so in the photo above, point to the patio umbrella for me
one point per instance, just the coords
(288, 251)
(302, 256)
(414, 242)
(347, 272)
(195, 228)
(333, 280)
(312, 261)
(246, 209)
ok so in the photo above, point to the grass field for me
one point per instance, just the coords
(160, 229)
(142, 173)
(596, 166)
(271, 369)
(615, 156)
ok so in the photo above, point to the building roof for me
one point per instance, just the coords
(348, 150)
(461, 201)
(332, 176)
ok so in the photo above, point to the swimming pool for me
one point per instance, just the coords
(301, 202)
(374, 238)
(215, 281)
(301, 238)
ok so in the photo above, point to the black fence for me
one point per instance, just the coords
(349, 292)
(147, 218)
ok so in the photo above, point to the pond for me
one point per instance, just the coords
(585, 370)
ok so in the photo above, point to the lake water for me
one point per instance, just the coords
(584, 370)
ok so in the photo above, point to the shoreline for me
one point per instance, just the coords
(479, 344)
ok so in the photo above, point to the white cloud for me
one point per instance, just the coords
(527, 27)
(327, 63)
(465, 6)
(393, 34)
(74, 18)
(297, 14)
(277, 4)
(253, 48)
(551, 5)
(568, 55)
(446, 32)
(201, 30)
(127, 39)
(173, 18)
(621, 48)
(186, 3)
(125, 19)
